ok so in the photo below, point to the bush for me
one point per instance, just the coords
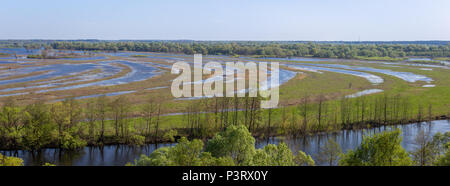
(185, 153)
(444, 160)
(10, 161)
(70, 142)
(48, 165)
(378, 150)
(236, 142)
(273, 155)
(303, 160)
(137, 140)
(169, 136)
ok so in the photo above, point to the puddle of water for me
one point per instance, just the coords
(429, 59)
(303, 68)
(364, 92)
(428, 85)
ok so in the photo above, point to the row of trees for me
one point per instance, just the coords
(205, 117)
(262, 49)
(71, 125)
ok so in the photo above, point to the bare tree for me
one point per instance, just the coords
(74, 111)
(320, 111)
(329, 153)
(269, 120)
(426, 151)
(102, 109)
(119, 109)
(419, 113)
(157, 121)
(148, 112)
(304, 113)
(90, 115)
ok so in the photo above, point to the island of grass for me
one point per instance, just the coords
(442, 58)
(377, 58)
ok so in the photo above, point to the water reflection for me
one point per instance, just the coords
(350, 139)
(110, 155)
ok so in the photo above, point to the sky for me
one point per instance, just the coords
(314, 20)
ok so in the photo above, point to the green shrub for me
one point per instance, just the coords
(10, 161)
(70, 142)
(382, 149)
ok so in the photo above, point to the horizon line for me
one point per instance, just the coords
(219, 40)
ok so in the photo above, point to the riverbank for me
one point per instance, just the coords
(261, 133)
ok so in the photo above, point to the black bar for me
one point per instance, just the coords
(275, 175)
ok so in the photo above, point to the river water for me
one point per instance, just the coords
(118, 155)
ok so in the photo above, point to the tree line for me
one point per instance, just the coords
(256, 48)
(71, 124)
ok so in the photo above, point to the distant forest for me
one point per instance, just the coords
(323, 49)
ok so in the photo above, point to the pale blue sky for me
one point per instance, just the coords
(226, 19)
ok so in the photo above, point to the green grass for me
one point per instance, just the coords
(328, 83)
(386, 58)
(139, 56)
(425, 62)
(442, 58)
